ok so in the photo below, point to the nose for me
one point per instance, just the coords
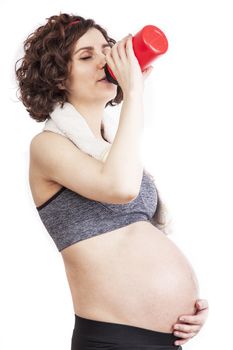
(101, 61)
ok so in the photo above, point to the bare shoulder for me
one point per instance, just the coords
(44, 136)
(46, 143)
(38, 144)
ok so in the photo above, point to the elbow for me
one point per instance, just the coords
(127, 193)
(126, 196)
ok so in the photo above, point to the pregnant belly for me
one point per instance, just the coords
(139, 277)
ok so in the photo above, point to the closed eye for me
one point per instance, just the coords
(86, 58)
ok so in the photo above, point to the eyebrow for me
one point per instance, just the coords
(91, 48)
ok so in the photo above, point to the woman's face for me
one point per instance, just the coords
(87, 68)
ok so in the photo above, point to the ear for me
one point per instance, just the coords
(60, 86)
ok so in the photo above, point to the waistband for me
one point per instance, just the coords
(122, 333)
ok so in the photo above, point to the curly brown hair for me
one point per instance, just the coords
(45, 67)
(48, 52)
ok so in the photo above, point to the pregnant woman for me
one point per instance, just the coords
(129, 282)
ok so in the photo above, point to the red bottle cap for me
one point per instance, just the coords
(148, 44)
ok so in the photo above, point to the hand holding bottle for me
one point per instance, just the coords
(146, 45)
(124, 64)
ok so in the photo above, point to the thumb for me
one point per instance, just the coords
(147, 72)
(202, 303)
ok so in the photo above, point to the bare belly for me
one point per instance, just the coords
(134, 275)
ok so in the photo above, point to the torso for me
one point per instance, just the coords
(134, 275)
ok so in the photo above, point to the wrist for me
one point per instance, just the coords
(133, 94)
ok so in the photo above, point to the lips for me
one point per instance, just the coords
(104, 78)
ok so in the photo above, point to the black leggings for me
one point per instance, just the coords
(91, 334)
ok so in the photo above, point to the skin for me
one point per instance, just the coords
(89, 97)
(190, 325)
(87, 94)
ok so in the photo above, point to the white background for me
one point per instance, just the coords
(187, 146)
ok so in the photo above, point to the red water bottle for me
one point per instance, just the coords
(148, 44)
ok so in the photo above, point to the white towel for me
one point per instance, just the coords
(68, 122)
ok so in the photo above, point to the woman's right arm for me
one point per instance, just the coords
(123, 162)
(117, 180)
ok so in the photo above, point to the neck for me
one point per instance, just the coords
(93, 117)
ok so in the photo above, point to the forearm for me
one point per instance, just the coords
(123, 164)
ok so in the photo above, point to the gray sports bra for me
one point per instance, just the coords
(69, 217)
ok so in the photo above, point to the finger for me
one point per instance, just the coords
(150, 68)
(122, 41)
(202, 304)
(196, 320)
(115, 53)
(147, 72)
(184, 335)
(116, 58)
(122, 51)
(119, 51)
(129, 49)
(126, 37)
(110, 61)
(202, 314)
(181, 342)
(186, 328)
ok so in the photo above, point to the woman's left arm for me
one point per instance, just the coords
(191, 324)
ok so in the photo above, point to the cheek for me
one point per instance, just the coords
(78, 72)
(78, 82)
(84, 77)
(87, 74)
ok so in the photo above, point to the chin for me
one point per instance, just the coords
(109, 97)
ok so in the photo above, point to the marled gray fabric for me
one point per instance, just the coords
(70, 217)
